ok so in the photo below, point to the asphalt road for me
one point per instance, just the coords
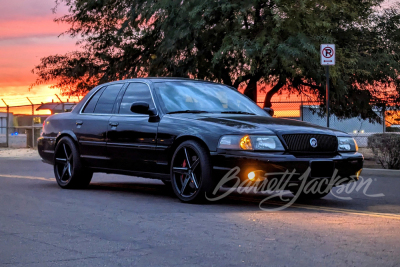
(124, 221)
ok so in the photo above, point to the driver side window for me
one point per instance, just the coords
(136, 92)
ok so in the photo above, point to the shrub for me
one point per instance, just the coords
(386, 148)
(392, 129)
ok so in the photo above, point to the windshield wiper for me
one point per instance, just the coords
(238, 112)
(188, 111)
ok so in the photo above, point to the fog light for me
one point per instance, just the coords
(251, 175)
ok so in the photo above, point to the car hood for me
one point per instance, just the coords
(260, 124)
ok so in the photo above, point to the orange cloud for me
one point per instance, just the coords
(32, 27)
(28, 33)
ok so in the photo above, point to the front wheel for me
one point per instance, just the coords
(191, 172)
(68, 168)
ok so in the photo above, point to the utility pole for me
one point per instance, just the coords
(33, 123)
(33, 107)
(7, 121)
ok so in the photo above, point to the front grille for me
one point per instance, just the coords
(301, 142)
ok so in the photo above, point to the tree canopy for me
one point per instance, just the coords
(273, 42)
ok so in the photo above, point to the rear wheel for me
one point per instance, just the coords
(191, 175)
(68, 168)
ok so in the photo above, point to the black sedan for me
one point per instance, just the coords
(189, 134)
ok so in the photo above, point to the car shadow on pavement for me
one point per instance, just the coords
(252, 201)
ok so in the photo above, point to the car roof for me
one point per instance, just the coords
(156, 79)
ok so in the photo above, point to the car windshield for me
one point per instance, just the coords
(202, 97)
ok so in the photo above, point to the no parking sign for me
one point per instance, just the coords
(327, 59)
(328, 54)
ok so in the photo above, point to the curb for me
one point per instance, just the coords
(384, 170)
(381, 172)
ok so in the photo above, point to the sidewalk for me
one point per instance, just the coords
(21, 153)
(381, 173)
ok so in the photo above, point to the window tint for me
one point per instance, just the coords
(93, 101)
(107, 99)
(204, 96)
(136, 92)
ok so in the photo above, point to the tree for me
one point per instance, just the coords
(273, 42)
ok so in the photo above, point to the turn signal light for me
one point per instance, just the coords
(245, 143)
(358, 173)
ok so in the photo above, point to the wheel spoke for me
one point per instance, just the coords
(187, 158)
(194, 179)
(69, 169)
(65, 150)
(60, 160)
(180, 170)
(195, 164)
(63, 172)
(185, 184)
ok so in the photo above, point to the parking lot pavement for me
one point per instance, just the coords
(121, 220)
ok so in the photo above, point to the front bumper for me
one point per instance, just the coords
(346, 166)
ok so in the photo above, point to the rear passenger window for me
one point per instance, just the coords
(107, 99)
(136, 92)
(93, 101)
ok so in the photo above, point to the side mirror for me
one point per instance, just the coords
(143, 108)
(140, 107)
(270, 111)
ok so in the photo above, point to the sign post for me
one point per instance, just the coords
(327, 59)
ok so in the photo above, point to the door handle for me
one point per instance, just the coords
(79, 122)
(114, 124)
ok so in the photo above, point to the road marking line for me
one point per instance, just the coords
(318, 208)
(295, 205)
(348, 211)
(26, 177)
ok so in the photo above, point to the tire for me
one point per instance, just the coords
(68, 168)
(191, 172)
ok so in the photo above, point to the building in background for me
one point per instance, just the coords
(57, 107)
(24, 127)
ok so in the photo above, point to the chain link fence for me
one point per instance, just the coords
(20, 125)
(311, 111)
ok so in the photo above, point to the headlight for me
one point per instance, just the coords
(251, 142)
(347, 144)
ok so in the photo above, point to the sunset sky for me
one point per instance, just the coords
(28, 33)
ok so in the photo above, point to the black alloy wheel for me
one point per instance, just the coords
(68, 168)
(191, 174)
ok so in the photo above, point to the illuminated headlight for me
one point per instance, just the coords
(347, 144)
(251, 142)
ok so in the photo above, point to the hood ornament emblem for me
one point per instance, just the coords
(313, 142)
